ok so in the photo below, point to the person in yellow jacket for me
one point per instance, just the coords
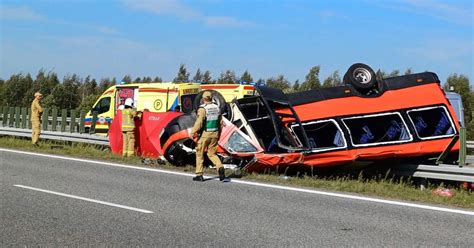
(36, 112)
(206, 130)
(128, 128)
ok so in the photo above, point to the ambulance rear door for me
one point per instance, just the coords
(124, 92)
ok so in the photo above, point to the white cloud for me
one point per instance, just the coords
(327, 15)
(164, 7)
(446, 11)
(445, 50)
(178, 9)
(19, 13)
(95, 55)
(106, 30)
(442, 55)
(26, 13)
(226, 21)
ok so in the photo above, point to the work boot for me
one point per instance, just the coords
(221, 174)
(198, 178)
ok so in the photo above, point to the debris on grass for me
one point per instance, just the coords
(444, 192)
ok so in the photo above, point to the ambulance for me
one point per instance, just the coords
(231, 91)
(153, 97)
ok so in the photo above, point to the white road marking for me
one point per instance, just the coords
(85, 199)
(340, 195)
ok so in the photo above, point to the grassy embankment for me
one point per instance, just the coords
(379, 186)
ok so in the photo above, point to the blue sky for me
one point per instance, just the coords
(152, 38)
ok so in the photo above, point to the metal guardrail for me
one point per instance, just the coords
(470, 144)
(441, 172)
(64, 125)
(62, 136)
(53, 119)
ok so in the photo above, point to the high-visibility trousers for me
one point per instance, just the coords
(128, 143)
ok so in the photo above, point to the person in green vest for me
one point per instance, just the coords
(128, 127)
(36, 112)
(206, 130)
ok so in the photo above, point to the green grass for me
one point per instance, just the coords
(378, 186)
(385, 188)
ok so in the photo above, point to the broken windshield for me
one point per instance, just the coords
(237, 143)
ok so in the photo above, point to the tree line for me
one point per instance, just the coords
(74, 92)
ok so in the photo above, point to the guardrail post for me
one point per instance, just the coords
(5, 116)
(447, 150)
(72, 123)
(54, 121)
(462, 147)
(44, 119)
(82, 117)
(10, 116)
(29, 118)
(94, 121)
(24, 116)
(63, 120)
(17, 117)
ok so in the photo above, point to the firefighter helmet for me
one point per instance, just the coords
(129, 102)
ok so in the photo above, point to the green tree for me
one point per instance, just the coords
(104, 84)
(59, 98)
(394, 73)
(88, 87)
(380, 74)
(408, 71)
(71, 97)
(246, 77)
(147, 80)
(88, 102)
(470, 125)
(227, 77)
(44, 83)
(198, 76)
(296, 86)
(2, 92)
(127, 79)
(52, 81)
(206, 77)
(182, 76)
(312, 79)
(41, 79)
(460, 84)
(280, 82)
(137, 80)
(16, 88)
(333, 80)
(36, 85)
(157, 80)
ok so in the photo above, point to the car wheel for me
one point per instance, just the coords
(361, 76)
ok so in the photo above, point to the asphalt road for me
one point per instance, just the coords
(186, 213)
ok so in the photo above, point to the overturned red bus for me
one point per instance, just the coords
(364, 120)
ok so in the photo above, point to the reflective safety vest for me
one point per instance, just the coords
(212, 117)
(128, 124)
